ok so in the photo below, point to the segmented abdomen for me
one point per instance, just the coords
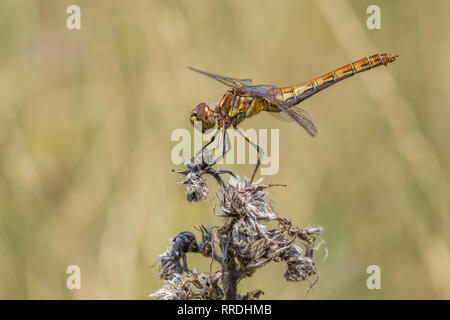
(296, 94)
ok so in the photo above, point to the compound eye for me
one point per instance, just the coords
(202, 111)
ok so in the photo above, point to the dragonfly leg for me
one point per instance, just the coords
(258, 149)
(218, 141)
(226, 145)
(205, 146)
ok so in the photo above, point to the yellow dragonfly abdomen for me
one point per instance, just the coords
(296, 94)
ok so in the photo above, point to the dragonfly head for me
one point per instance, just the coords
(204, 114)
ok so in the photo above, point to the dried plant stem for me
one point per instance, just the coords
(230, 274)
(229, 277)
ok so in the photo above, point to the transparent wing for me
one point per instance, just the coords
(296, 113)
(259, 90)
(283, 116)
(231, 82)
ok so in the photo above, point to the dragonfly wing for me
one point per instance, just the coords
(307, 118)
(282, 116)
(259, 90)
(231, 82)
(298, 114)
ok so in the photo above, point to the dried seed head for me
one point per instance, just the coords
(173, 290)
(299, 267)
(314, 230)
(196, 188)
(184, 242)
(206, 246)
(170, 264)
(193, 286)
(245, 202)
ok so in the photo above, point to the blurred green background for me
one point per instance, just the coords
(86, 118)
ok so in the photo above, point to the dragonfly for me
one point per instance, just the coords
(243, 100)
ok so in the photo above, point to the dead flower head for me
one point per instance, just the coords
(194, 286)
(170, 264)
(196, 188)
(299, 267)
